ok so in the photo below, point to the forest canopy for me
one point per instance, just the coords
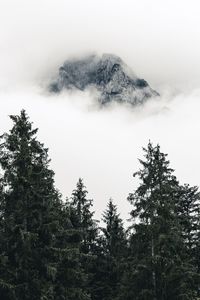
(54, 248)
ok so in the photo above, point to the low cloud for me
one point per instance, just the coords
(103, 145)
(160, 42)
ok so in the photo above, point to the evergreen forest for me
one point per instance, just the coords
(54, 249)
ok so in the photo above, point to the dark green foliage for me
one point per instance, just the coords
(32, 253)
(114, 233)
(111, 255)
(70, 278)
(50, 250)
(28, 213)
(159, 267)
(188, 211)
(82, 219)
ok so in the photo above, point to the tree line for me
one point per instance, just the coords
(52, 249)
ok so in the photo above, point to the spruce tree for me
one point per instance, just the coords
(187, 208)
(114, 233)
(111, 256)
(82, 218)
(159, 266)
(71, 279)
(188, 211)
(31, 225)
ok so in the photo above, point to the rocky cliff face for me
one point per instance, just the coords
(108, 74)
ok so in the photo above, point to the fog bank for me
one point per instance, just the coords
(159, 40)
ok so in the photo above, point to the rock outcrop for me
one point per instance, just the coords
(108, 74)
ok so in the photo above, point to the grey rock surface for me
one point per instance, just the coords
(108, 74)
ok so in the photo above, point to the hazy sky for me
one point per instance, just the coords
(159, 40)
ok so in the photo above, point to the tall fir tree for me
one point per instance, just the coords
(30, 219)
(188, 212)
(82, 218)
(159, 269)
(111, 254)
(71, 278)
(188, 208)
(114, 233)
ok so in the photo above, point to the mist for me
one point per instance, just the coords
(158, 40)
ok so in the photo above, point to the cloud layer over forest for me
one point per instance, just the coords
(159, 42)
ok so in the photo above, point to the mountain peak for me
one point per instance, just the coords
(108, 74)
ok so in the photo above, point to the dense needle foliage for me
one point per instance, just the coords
(51, 249)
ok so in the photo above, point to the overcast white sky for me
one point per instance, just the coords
(159, 40)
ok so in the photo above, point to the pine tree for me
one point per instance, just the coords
(82, 218)
(111, 256)
(188, 211)
(71, 280)
(159, 266)
(114, 233)
(31, 225)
